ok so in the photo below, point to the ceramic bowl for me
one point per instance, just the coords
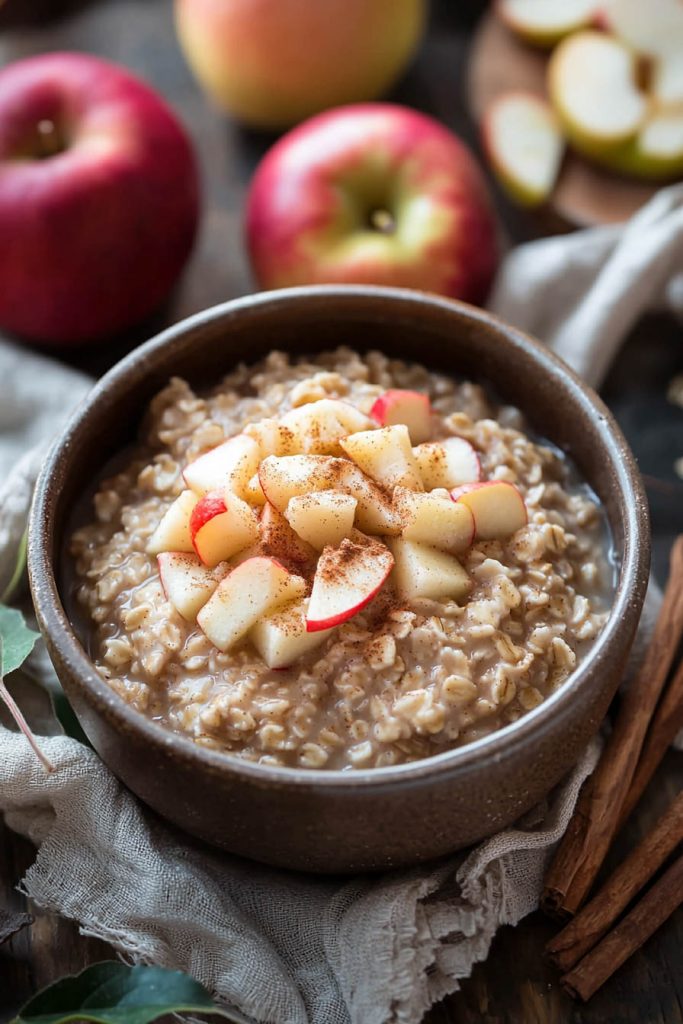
(329, 821)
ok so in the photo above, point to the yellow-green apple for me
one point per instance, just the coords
(98, 198)
(524, 143)
(372, 193)
(272, 63)
(346, 580)
(497, 506)
(422, 571)
(545, 22)
(410, 407)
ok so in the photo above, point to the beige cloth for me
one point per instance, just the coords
(288, 949)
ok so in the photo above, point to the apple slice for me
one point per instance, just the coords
(497, 506)
(221, 524)
(187, 583)
(652, 27)
(658, 151)
(435, 519)
(524, 144)
(231, 465)
(279, 539)
(173, 531)
(385, 455)
(592, 84)
(282, 638)
(422, 571)
(253, 589)
(447, 463)
(667, 79)
(319, 426)
(410, 407)
(273, 438)
(545, 22)
(346, 580)
(322, 518)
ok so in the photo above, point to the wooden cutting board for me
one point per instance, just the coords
(584, 194)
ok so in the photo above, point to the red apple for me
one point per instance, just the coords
(372, 194)
(410, 407)
(274, 62)
(98, 198)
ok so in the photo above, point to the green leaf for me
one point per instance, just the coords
(114, 993)
(16, 640)
(18, 568)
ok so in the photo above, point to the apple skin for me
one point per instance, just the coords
(310, 206)
(95, 236)
(272, 63)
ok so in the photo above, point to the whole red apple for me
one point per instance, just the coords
(372, 194)
(273, 62)
(98, 198)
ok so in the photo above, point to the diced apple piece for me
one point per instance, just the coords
(253, 589)
(253, 492)
(593, 88)
(447, 463)
(524, 144)
(279, 539)
(651, 27)
(230, 465)
(187, 583)
(173, 531)
(385, 455)
(544, 22)
(435, 519)
(273, 438)
(322, 518)
(281, 639)
(422, 571)
(319, 426)
(346, 580)
(410, 407)
(497, 506)
(221, 524)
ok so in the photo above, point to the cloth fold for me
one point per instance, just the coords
(281, 948)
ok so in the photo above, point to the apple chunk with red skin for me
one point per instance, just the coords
(422, 571)
(447, 463)
(173, 531)
(346, 580)
(221, 524)
(322, 518)
(435, 519)
(253, 589)
(385, 454)
(372, 194)
(231, 465)
(187, 583)
(410, 407)
(281, 638)
(99, 198)
(497, 506)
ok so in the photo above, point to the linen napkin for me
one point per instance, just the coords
(284, 948)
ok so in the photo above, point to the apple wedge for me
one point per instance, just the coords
(282, 638)
(346, 580)
(410, 407)
(651, 27)
(423, 572)
(666, 85)
(273, 438)
(385, 454)
(593, 87)
(545, 22)
(173, 531)
(230, 465)
(497, 506)
(187, 583)
(435, 519)
(279, 539)
(255, 588)
(447, 463)
(319, 426)
(322, 518)
(524, 144)
(221, 524)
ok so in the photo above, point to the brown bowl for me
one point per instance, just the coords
(331, 821)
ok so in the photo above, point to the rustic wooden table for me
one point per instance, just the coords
(513, 986)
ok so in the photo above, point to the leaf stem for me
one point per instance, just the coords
(16, 714)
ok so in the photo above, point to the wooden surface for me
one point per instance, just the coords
(584, 194)
(513, 986)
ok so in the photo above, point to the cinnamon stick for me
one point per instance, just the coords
(667, 722)
(597, 917)
(597, 813)
(646, 917)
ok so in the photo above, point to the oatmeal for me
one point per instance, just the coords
(346, 563)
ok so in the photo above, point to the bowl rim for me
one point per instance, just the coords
(502, 743)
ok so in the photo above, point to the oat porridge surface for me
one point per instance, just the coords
(398, 681)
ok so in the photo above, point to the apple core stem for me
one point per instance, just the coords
(382, 221)
(50, 142)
